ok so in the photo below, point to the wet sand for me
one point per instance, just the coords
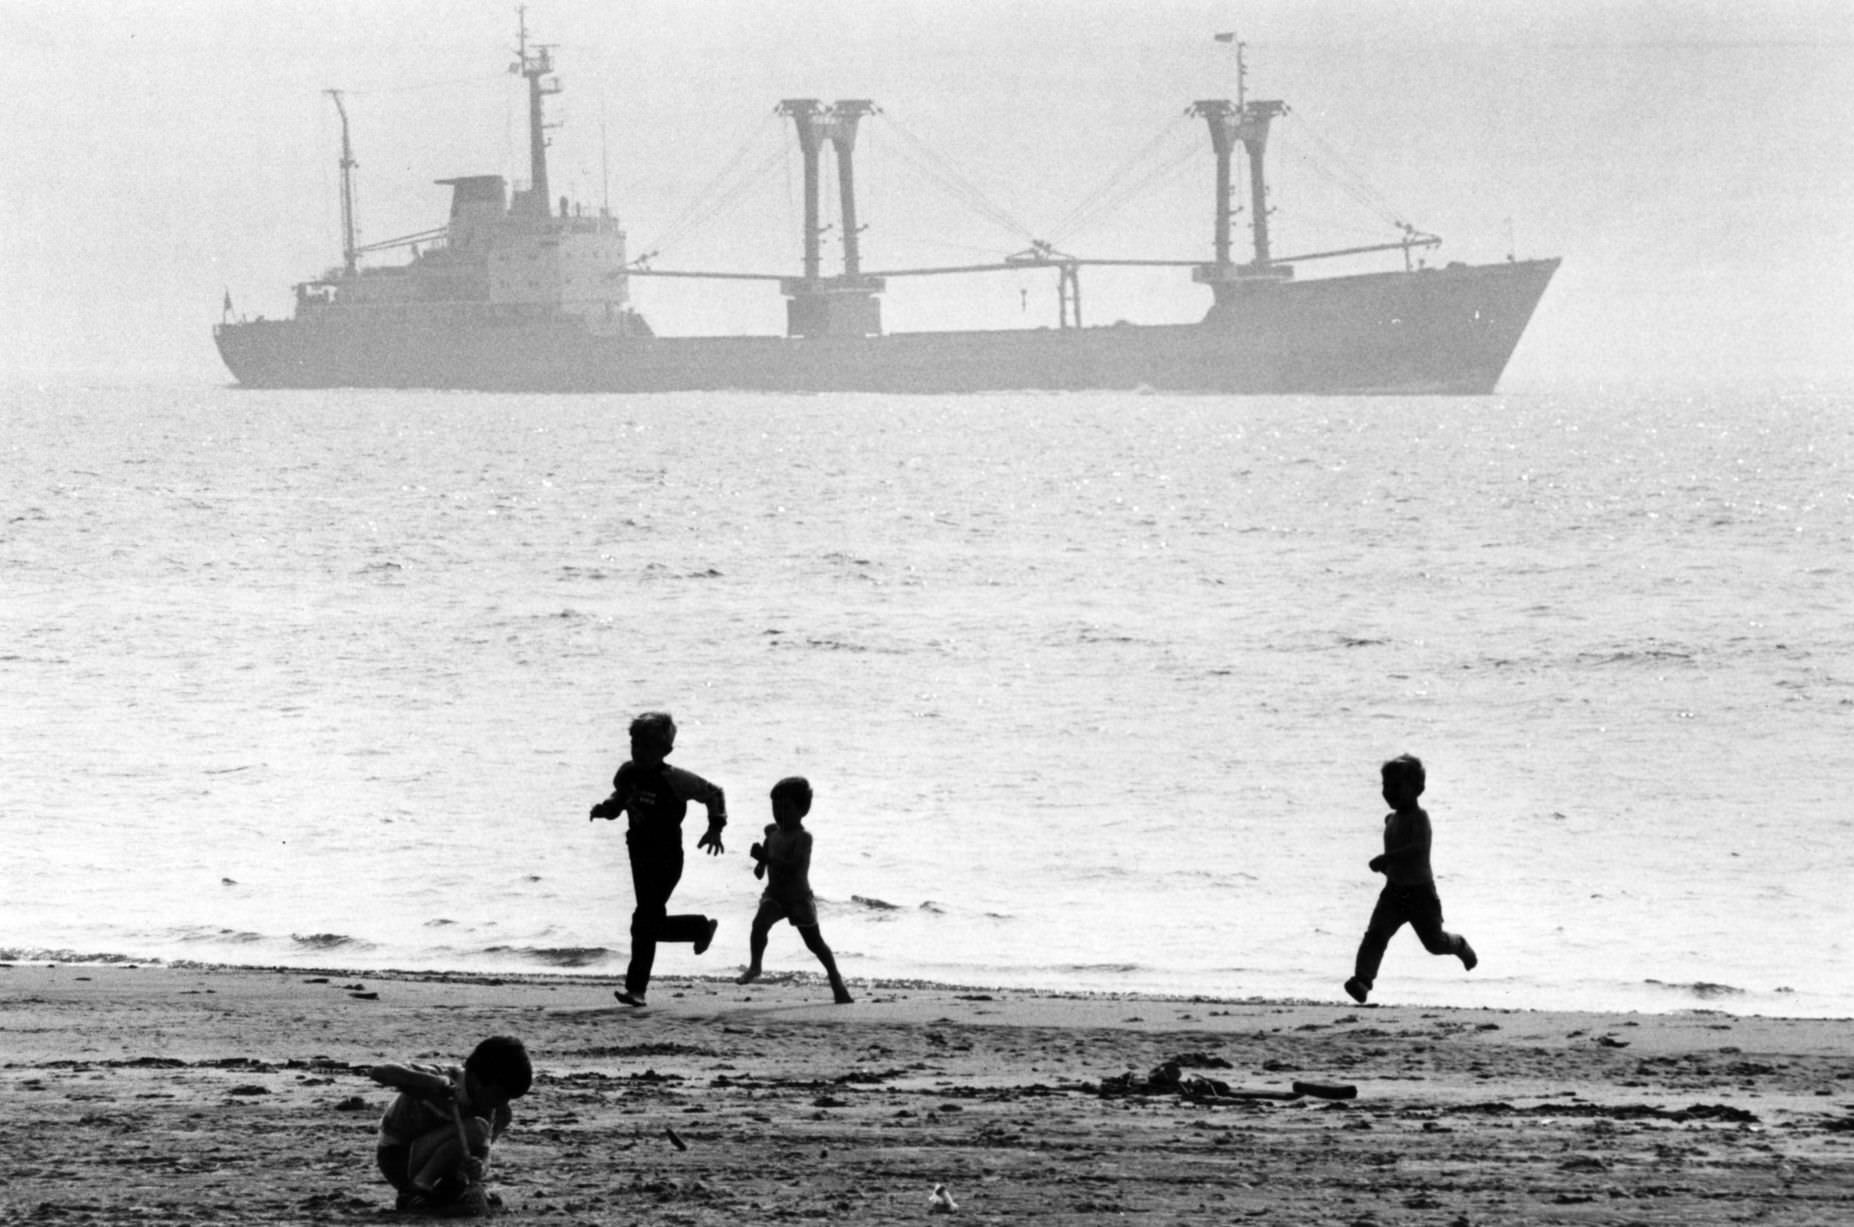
(163, 1095)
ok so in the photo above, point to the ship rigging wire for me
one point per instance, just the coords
(941, 171)
(1120, 187)
(1163, 157)
(718, 194)
(1325, 161)
(416, 86)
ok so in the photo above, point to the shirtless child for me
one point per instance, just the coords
(1409, 895)
(784, 860)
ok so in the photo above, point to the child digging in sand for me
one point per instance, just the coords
(784, 860)
(1409, 895)
(436, 1134)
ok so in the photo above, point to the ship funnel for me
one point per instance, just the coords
(477, 205)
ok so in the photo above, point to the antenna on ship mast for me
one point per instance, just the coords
(534, 66)
(349, 256)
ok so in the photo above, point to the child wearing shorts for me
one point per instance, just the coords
(784, 860)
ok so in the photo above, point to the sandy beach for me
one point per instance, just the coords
(173, 1094)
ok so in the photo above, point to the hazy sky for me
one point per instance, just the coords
(1692, 162)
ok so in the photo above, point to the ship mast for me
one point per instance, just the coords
(349, 255)
(1246, 123)
(1252, 131)
(819, 305)
(535, 65)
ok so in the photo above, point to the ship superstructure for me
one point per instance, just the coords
(517, 292)
(502, 256)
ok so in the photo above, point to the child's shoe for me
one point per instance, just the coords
(1468, 957)
(1357, 990)
(707, 939)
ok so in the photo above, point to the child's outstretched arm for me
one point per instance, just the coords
(611, 807)
(405, 1078)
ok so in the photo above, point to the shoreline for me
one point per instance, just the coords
(1710, 999)
(193, 1093)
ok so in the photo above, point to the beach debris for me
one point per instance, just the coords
(1169, 1079)
(940, 1201)
(1725, 1113)
(1200, 1060)
(365, 996)
(675, 1139)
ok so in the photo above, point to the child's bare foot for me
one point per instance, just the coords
(707, 938)
(1356, 989)
(843, 997)
(631, 999)
(1466, 952)
(748, 976)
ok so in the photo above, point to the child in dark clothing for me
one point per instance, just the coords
(436, 1134)
(654, 796)
(1409, 895)
(784, 860)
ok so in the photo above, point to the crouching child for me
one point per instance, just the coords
(436, 1134)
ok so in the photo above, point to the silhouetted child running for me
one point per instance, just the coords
(784, 860)
(654, 796)
(436, 1134)
(1409, 895)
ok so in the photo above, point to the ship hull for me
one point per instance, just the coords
(1430, 331)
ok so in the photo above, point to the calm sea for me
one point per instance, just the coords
(1092, 688)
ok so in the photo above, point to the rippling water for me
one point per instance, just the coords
(1092, 688)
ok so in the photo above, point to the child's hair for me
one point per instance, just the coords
(657, 725)
(502, 1061)
(797, 789)
(1405, 769)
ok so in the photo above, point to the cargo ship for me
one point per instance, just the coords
(517, 294)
